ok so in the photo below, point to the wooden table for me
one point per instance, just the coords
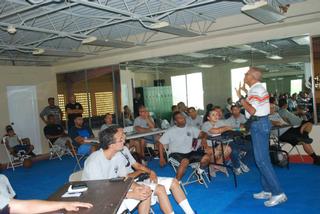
(105, 196)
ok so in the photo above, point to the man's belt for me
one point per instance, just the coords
(256, 118)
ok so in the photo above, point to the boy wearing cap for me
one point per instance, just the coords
(14, 144)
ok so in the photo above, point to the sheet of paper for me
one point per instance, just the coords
(69, 195)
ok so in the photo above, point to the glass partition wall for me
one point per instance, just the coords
(210, 76)
(97, 90)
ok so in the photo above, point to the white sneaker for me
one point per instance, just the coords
(275, 200)
(262, 195)
(199, 175)
(244, 167)
(237, 171)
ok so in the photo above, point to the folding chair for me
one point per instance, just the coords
(13, 161)
(293, 147)
(79, 157)
(55, 150)
(192, 178)
(283, 144)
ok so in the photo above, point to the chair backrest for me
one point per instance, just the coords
(5, 156)
(76, 176)
(3, 140)
(50, 143)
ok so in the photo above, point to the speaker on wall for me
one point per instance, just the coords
(159, 82)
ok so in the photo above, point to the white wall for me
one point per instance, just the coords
(42, 77)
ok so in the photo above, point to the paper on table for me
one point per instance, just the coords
(69, 195)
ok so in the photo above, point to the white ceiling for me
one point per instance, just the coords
(63, 24)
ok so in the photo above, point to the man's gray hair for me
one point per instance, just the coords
(256, 73)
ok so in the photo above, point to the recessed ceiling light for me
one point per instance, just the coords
(205, 66)
(196, 55)
(155, 60)
(274, 56)
(239, 60)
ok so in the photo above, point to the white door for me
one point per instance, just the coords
(23, 113)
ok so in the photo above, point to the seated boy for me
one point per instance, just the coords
(56, 134)
(79, 134)
(179, 139)
(14, 144)
(142, 124)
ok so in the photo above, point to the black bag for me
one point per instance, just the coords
(278, 156)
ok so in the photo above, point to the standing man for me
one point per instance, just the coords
(73, 110)
(51, 109)
(257, 108)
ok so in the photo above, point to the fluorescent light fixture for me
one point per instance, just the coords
(274, 56)
(205, 66)
(301, 40)
(239, 60)
(11, 29)
(196, 55)
(165, 27)
(155, 61)
(59, 53)
(92, 40)
(263, 12)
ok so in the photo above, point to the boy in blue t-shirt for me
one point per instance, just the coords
(79, 134)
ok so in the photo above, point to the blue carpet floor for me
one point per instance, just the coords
(301, 184)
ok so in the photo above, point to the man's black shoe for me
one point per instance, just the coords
(316, 161)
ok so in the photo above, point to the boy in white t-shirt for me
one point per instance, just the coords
(182, 141)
